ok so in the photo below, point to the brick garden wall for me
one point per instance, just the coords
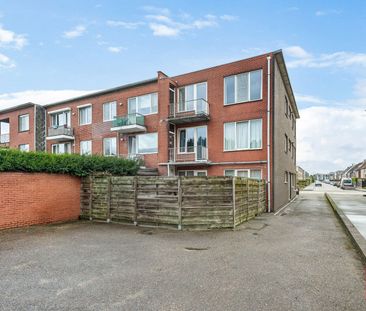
(30, 199)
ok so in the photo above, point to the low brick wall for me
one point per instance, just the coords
(37, 198)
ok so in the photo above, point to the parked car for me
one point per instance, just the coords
(346, 183)
(318, 183)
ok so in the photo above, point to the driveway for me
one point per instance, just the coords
(301, 260)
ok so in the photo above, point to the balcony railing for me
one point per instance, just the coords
(133, 122)
(189, 111)
(4, 138)
(192, 154)
(62, 132)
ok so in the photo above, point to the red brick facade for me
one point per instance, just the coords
(54, 198)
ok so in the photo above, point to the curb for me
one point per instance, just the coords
(356, 238)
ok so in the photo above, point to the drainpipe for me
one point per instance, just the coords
(268, 132)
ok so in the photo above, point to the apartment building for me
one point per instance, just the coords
(236, 119)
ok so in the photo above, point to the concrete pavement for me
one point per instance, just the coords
(301, 260)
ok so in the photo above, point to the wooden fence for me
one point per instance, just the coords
(179, 202)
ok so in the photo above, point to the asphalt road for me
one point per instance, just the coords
(301, 260)
(351, 202)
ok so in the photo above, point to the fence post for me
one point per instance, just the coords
(179, 203)
(109, 190)
(91, 198)
(135, 180)
(234, 199)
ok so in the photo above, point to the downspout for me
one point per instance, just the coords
(268, 132)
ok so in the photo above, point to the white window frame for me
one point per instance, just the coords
(25, 146)
(244, 170)
(137, 143)
(104, 145)
(81, 148)
(195, 172)
(236, 88)
(286, 177)
(111, 118)
(80, 108)
(68, 118)
(194, 95)
(137, 105)
(57, 146)
(249, 132)
(195, 139)
(21, 119)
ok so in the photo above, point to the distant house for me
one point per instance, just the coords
(360, 171)
(301, 173)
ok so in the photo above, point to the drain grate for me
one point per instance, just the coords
(196, 248)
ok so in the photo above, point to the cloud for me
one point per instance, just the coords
(126, 25)
(6, 62)
(77, 31)
(327, 12)
(41, 97)
(329, 138)
(10, 39)
(310, 99)
(229, 18)
(161, 30)
(116, 49)
(299, 57)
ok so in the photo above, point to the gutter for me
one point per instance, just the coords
(268, 132)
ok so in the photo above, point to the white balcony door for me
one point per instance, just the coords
(192, 97)
(193, 139)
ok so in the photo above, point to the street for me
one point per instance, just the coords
(351, 202)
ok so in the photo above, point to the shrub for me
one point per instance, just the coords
(17, 161)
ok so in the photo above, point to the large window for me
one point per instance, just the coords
(109, 111)
(243, 87)
(61, 148)
(243, 135)
(85, 115)
(192, 97)
(24, 147)
(192, 173)
(191, 138)
(86, 147)
(143, 143)
(24, 123)
(61, 119)
(145, 104)
(110, 146)
(256, 174)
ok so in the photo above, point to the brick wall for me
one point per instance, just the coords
(30, 199)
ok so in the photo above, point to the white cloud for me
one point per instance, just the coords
(161, 30)
(6, 62)
(299, 57)
(78, 31)
(329, 138)
(310, 99)
(126, 25)
(10, 39)
(327, 12)
(360, 88)
(40, 97)
(227, 17)
(116, 49)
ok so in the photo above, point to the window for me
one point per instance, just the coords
(243, 135)
(86, 147)
(145, 104)
(61, 119)
(193, 97)
(286, 106)
(24, 123)
(243, 87)
(110, 146)
(192, 173)
(286, 143)
(24, 147)
(143, 143)
(85, 115)
(190, 138)
(256, 174)
(109, 111)
(61, 148)
(286, 177)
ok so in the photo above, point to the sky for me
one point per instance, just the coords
(53, 50)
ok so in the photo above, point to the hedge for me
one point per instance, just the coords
(17, 161)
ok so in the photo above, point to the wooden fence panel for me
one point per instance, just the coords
(122, 206)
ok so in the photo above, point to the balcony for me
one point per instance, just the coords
(4, 140)
(194, 155)
(131, 123)
(190, 111)
(60, 133)
(133, 156)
